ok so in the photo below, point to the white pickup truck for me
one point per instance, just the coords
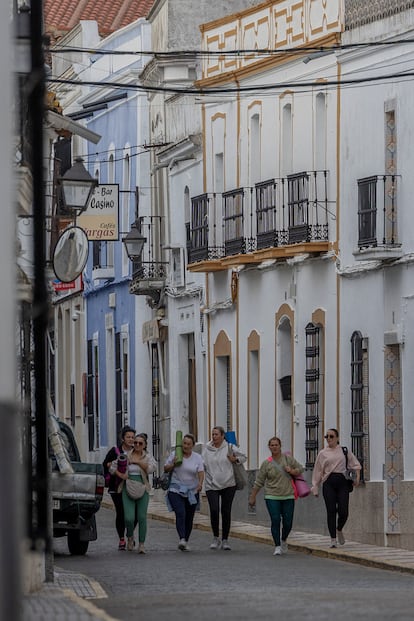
(77, 489)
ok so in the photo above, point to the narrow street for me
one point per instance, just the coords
(246, 583)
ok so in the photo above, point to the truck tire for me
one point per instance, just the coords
(75, 545)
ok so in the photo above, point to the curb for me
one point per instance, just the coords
(358, 553)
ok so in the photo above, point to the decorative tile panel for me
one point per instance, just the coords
(393, 436)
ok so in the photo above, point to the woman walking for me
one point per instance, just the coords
(329, 469)
(219, 484)
(275, 475)
(183, 495)
(140, 465)
(125, 445)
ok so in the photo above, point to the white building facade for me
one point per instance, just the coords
(308, 294)
(375, 268)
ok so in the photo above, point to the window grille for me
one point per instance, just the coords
(93, 395)
(312, 397)
(228, 395)
(118, 385)
(359, 409)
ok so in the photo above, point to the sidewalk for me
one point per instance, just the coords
(65, 599)
(68, 598)
(353, 552)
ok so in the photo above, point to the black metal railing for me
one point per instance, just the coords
(377, 211)
(276, 212)
(233, 221)
(202, 244)
(152, 265)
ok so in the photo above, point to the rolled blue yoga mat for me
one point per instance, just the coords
(230, 436)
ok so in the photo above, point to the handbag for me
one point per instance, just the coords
(240, 475)
(239, 472)
(135, 489)
(302, 486)
(349, 473)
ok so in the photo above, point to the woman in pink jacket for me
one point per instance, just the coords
(330, 467)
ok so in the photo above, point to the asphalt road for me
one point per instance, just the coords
(246, 584)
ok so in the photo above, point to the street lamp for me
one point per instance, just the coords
(77, 187)
(134, 243)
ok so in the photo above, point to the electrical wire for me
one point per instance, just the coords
(233, 52)
(238, 89)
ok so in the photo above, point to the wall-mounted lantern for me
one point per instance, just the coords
(77, 187)
(134, 243)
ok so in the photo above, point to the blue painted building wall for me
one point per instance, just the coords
(122, 125)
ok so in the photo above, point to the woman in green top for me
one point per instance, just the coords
(275, 475)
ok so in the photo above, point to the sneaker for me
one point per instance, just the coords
(277, 551)
(341, 538)
(130, 544)
(182, 545)
(141, 549)
(122, 544)
(333, 543)
(284, 547)
(215, 544)
(225, 545)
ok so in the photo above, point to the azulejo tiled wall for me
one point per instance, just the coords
(393, 437)
(358, 13)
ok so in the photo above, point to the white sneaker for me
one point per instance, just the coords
(182, 545)
(225, 545)
(130, 544)
(340, 537)
(215, 544)
(333, 543)
(284, 547)
(141, 549)
(277, 551)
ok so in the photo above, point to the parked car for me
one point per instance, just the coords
(76, 488)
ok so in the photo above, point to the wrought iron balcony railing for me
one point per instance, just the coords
(273, 213)
(377, 211)
(149, 272)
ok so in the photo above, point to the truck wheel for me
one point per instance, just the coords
(75, 545)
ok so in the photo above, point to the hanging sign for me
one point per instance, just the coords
(100, 219)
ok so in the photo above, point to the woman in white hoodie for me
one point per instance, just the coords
(219, 482)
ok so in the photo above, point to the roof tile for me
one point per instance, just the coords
(60, 16)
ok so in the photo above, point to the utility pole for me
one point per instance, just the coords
(41, 533)
(10, 519)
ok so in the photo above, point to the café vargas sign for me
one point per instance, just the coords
(100, 219)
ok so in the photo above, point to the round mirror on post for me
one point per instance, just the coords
(70, 254)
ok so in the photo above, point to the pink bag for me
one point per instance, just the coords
(301, 486)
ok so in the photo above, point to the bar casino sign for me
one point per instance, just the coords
(100, 219)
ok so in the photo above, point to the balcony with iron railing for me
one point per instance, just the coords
(377, 218)
(277, 218)
(149, 272)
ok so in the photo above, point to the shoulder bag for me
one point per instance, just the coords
(239, 472)
(349, 473)
(300, 486)
(136, 489)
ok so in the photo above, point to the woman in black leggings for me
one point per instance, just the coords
(329, 469)
(220, 485)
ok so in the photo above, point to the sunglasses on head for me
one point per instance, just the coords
(329, 436)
